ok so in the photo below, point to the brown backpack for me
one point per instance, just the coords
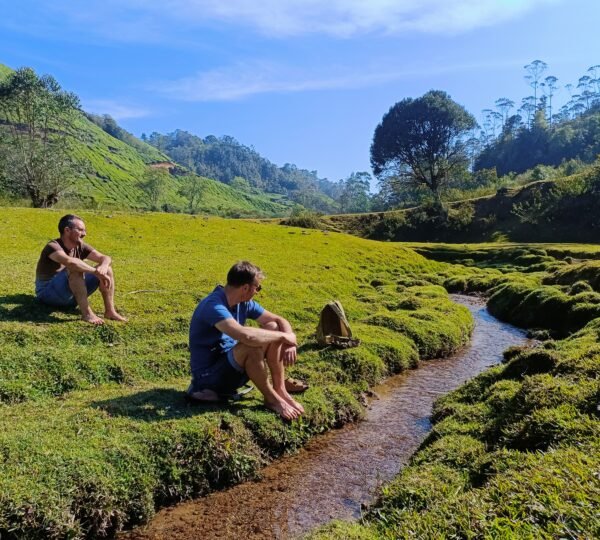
(334, 328)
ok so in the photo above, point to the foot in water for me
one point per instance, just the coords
(114, 316)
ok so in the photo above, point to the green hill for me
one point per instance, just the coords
(226, 160)
(561, 210)
(109, 169)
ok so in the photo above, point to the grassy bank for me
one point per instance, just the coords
(559, 210)
(514, 453)
(94, 430)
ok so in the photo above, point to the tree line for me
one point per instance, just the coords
(540, 133)
(425, 146)
(422, 148)
(227, 160)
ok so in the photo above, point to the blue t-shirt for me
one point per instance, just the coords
(207, 342)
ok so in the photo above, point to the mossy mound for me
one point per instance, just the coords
(514, 452)
(585, 272)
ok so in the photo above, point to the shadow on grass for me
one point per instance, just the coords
(158, 405)
(308, 346)
(26, 308)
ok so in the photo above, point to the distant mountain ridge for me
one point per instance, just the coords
(226, 159)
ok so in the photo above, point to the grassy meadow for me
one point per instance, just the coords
(95, 433)
(515, 452)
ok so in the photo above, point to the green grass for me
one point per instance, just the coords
(514, 453)
(94, 429)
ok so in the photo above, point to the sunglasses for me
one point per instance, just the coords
(257, 288)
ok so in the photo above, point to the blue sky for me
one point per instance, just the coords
(303, 81)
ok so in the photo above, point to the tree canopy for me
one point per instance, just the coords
(225, 159)
(34, 142)
(422, 142)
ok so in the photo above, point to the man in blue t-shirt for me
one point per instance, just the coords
(225, 353)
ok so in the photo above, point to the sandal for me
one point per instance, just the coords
(295, 386)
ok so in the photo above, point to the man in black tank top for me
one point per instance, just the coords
(63, 278)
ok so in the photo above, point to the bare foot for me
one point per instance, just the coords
(290, 400)
(294, 404)
(114, 316)
(283, 409)
(206, 395)
(92, 318)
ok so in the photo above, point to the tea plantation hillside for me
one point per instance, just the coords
(95, 432)
(109, 170)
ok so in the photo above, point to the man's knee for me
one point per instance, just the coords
(243, 354)
(75, 278)
(271, 326)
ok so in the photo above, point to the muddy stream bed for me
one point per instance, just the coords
(338, 473)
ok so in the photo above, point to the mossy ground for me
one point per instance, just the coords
(95, 432)
(515, 452)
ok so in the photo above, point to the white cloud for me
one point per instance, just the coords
(118, 111)
(258, 77)
(150, 19)
(350, 17)
(241, 80)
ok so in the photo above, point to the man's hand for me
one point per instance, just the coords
(289, 355)
(289, 338)
(102, 269)
(103, 277)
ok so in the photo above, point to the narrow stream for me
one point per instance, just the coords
(339, 472)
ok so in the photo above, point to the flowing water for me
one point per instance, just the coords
(338, 473)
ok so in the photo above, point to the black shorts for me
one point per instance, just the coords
(222, 377)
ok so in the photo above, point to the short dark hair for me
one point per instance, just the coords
(67, 221)
(243, 273)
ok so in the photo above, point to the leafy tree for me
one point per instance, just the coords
(504, 105)
(193, 188)
(154, 186)
(422, 141)
(535, 70)
(355, 193)
(550, 86)
(528, 106)
(34, 141)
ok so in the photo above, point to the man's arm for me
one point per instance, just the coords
(73, 264)
(254, 337)
(290, 352)
(104, 261)
(267, 317)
